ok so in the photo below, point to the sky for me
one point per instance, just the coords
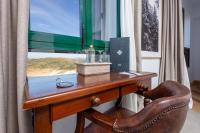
(55, 16)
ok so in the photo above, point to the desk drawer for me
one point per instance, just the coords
(129, 89)
(64, 109)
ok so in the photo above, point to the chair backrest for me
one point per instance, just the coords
(165, 114)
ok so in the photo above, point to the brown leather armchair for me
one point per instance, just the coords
(165, 112)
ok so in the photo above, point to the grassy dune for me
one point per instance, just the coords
(50, 66)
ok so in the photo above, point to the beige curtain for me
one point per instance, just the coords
(130, 15)
(173, 66)
(138, 32)
(13, 55)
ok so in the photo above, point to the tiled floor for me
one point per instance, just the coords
(192, 123)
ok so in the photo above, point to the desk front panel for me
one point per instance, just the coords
(67, 108)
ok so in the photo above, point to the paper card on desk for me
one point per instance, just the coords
(127, 73)
(136, 73)
(131, 73)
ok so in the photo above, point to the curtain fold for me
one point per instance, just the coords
(173, 66)
(131, 27)
(138, 32)
(13, 56)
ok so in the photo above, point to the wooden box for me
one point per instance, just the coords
(93, 68)
(90, 78)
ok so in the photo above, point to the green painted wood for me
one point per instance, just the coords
(118, 19)
(100, 44)
(88, 21)
(48, 41)
(53, 46)
(53, 38)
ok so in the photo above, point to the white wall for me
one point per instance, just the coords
(151, 65)
(195, 49)
(192, 37)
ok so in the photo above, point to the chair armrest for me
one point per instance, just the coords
(99, 118)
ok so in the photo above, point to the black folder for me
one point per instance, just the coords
(119, 54)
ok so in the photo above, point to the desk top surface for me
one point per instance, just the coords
(42, 91)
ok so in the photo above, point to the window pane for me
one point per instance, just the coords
(51, 64)
(104, 19)
(55, 16)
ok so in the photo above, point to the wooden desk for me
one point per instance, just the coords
(50, 103)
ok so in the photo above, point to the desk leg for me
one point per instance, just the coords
(42, 121)
(80, 123)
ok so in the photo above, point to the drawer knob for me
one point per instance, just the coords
(95, 101)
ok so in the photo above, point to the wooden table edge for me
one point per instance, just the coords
(50, 99)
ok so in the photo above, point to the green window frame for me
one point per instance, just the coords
(41, 41)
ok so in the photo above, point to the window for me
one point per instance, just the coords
(57, 17)
(55, 25)
(71, 25)
(51, 64)
(60, 29)
(104, 19)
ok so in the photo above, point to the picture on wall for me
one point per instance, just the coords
(150, 26)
